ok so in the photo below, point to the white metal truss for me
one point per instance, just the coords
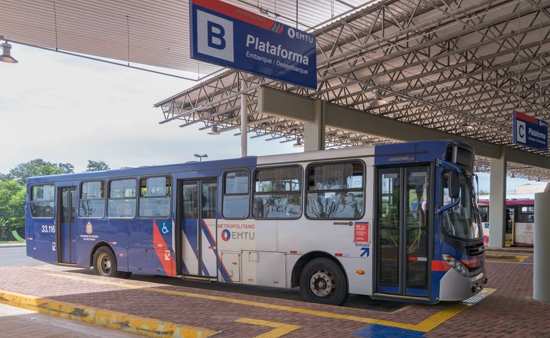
(459, 66)
(140, 34)
(514, 170)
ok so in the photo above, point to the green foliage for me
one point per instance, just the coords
(97, 166)
(12, 206)
(39, 167)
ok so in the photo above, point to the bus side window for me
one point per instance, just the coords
(278, 193)
(484, 213)
(122, 198)
(155, 197)
(526, 214)
(92, 200)
(335, 191)
(236, 203)
(42, 201)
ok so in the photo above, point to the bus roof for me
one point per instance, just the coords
(409, 152)
(513, 202)
(145, 170)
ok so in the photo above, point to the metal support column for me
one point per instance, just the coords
(314, 130)
(244, 126)
(541, 267)
(497, 203)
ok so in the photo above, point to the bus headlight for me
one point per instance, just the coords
(456, 264)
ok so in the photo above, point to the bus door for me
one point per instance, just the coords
(66, 223)
(199, 228)
(510, 226)
(402, 251)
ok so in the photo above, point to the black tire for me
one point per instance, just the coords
(105, 262)
(323, 281)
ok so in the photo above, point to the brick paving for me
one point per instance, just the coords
(509, 312)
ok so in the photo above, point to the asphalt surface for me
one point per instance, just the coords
(16, 256)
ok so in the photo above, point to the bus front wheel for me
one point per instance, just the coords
(105, 262)
(323, 281)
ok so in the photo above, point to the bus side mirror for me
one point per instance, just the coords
(454, 185)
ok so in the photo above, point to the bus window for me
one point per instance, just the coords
(484, 213)
(526, 214)
(92, 200)
(190, 200)
(278, 193)
(122, 198)
(335, 191)
(42, 201)
(155, 198)
(235, 198)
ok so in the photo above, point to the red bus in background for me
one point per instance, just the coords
(520, 221)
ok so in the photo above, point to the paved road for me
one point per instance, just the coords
(16, 322)
(16, 256)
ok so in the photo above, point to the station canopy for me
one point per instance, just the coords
(457, 67)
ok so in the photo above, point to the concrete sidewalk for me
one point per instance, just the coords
(19, 323)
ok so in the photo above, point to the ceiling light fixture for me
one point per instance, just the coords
(6, 52)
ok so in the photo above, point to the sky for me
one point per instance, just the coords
(63, 108)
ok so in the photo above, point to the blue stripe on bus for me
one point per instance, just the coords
(213, 244)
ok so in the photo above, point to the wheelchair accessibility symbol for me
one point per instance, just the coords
(164, 229)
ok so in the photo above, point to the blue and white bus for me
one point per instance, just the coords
(395, 221)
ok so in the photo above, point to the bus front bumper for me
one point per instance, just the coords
(457, 287)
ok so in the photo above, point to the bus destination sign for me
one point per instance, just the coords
(233, 37)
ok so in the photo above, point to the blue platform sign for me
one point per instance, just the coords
(529, 131)
(232, 37)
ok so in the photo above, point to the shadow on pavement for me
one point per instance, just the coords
(354, 301)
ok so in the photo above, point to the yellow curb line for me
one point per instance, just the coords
(279, 329)
(516, 258)
(426, 325)
(110, 319)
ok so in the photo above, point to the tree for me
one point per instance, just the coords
(39, 167)
(12, 207)
(97, 166)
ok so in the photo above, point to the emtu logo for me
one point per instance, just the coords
(215, 36)
(226, 235)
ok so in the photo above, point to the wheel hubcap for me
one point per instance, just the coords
(321, 284)
(105, 264)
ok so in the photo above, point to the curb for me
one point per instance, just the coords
(518, 258)
(15, 245)
(148, 327)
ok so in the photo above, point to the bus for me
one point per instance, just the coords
(394, 222)
(520, 221)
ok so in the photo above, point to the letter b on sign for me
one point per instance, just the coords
(215, 36)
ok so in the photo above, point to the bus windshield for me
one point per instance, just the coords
(462, 220)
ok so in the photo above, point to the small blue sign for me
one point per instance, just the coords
(232, 37)
(529, 131)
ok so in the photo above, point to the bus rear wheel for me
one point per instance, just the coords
(323, 281)
(105, 262)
